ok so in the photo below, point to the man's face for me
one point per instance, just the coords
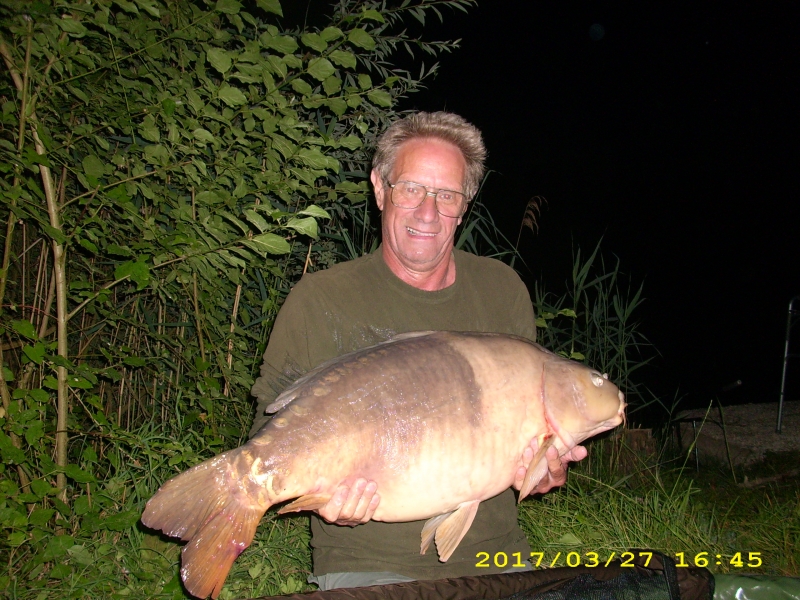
(420, 239)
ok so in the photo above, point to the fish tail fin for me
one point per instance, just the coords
(216, 507)
(208, 557)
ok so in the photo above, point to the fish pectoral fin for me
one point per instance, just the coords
(452, 529)
(308, 502)
(536, 469)
(429, 530)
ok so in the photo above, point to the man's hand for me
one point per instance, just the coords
(352, 506)
(557, 467)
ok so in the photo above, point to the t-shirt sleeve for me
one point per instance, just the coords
(287, 356)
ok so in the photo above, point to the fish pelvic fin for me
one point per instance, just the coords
(448, 530)
(536, 469)
(429, 531)
(216, 507)
(308, 502)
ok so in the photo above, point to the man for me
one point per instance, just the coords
(426, 169)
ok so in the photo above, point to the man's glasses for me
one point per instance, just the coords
(407, 194)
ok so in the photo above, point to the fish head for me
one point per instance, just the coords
(579, 402)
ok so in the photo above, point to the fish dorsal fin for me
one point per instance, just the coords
(290, 393)
(449, 529)
(536, 469)
(409, 335)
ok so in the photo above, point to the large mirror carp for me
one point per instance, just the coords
(438, 419)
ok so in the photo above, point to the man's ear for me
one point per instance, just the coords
(380, 190)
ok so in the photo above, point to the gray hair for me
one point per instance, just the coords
(444, 126)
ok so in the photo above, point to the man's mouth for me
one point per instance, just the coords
(420, 233)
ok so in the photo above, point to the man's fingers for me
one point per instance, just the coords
(363, 501)
(352, 505)
(331, 511)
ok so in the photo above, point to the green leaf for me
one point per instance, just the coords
(58, 546)
(314, 41)
(359, 37)
(81, 505)
(17, 539)
(168, 104)
(301, 87)
(128, 7)
(231, 96)
(137, 271)
(273, 6)
(364, 81)
(568, 312)
(332, 85)
(320, 68)
(117, 250)
(381, 98)
(151, 8)
(337, 105)
(574, 355)
(54, 233)
(41, 488)
(219, 59)
(343, 58)
(34, 432)
(121, 521)
(79, 382)
(315, 211)
(11, 454)
(282, 43)
(256, 219)
(88, 245)
(203, 135)
(229, 7)
(35, 353)
(312, 157)
(569, 539)
(373, 15)
(77, 474)
(39, 395)
(25, 329)
(351, 142)
(307, 226)
(274, 244)
(79, 554)
(40, 516)
(330, 33)
(93, 167)
(72, 26)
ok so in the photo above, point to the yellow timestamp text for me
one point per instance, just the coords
(704, 559)
(559, 559)
(515, 560)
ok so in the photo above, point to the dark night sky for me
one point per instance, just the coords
(674, 137)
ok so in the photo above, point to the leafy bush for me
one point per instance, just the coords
(169, 169)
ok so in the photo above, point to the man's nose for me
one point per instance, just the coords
(427, 211)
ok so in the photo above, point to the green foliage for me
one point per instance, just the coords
(594, 322)
(178, 165)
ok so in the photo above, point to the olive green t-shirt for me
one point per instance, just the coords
(357, 304)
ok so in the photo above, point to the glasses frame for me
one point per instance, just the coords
(428, 192)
